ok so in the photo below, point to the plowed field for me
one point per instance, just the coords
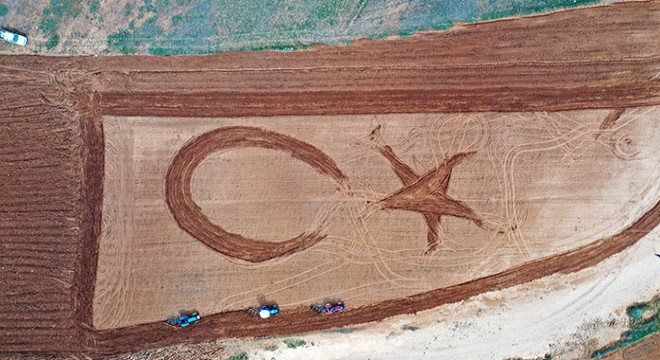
(437, 167)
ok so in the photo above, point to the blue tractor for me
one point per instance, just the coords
(265, 311)
(184, 320)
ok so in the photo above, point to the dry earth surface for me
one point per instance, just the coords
(530, 181)
(561, 106)
(565, 315)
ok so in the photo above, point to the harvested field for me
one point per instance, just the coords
(76, 221)
(366, 241)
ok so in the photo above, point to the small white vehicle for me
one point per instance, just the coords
(13, 38)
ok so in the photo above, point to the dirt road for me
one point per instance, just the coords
(51, 158)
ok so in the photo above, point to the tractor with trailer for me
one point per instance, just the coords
(265, 311)
(183, 320)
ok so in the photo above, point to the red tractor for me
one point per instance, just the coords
(329, 308)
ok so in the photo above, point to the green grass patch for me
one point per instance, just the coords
(241, 356)
(148, 7)
(52, 42)
(3, 9)
(176, 20)
(294, 343)
(535, 7)
(328, 11)
(94, 6)
(123, 42)
(130, 41)
(128, 9)
(271, 348)
(53, 15)
(207, 26)
(49, 25)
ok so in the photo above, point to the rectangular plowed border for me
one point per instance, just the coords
(51, 158)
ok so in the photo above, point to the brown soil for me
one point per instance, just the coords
(647, 348)
(51, 161)
(241, 324)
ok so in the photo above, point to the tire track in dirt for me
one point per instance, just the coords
(189, 215)
(120, 286)
(241, 324)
